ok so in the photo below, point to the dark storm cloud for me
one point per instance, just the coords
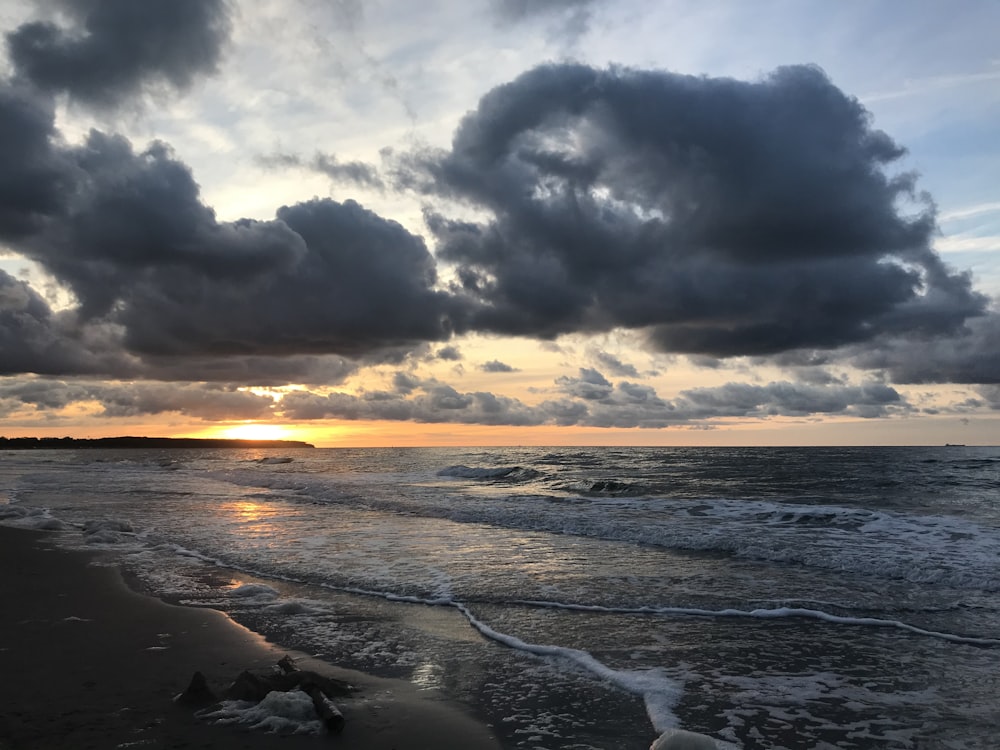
(971, 355)
(111, 50)
(34, 339)
(358, 173)
(497, 366)
(725, 218)
(360, 286)
(34, 177)
(130, 236)
(719, 217)
(265, 371)
(136, 219)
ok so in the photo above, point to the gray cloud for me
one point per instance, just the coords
(208, 402)
(135, 219)
(615, 366)
(201, 401)
(590, 385)
(256, 370)
(360, 287)
(34, 177)
(497, 366)
(129, 234)
(992, 395)
(591, 401)
(34, 339)
(448, 352)
(720, 218)
(112, 50)
(791, 399)
(724, 218)
(573, 15)
(435, 403)
(971, 355)
(357, 173)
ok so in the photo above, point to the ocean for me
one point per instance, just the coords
(797, 598)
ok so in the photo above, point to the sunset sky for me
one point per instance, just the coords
(501, 221)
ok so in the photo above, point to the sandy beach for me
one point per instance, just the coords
(85, 662)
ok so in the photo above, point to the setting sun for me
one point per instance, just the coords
(255, 431)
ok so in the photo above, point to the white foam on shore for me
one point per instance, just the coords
(24, 517)
(660, 692)
(253, 591)
(280, 712)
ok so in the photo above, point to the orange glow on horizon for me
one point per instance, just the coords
(374, 434)
(253, 431)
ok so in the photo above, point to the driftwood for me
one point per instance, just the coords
(197, 694)
(326, 710)
(249, 686)
(253, 687)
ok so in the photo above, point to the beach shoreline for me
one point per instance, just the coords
(87, 662)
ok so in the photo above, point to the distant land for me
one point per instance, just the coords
(27, 443)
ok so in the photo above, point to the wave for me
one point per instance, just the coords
(507, 473)
(940, 550)
(612, 488)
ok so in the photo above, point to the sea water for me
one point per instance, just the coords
(585, 597)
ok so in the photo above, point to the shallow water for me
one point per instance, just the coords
(587, 598)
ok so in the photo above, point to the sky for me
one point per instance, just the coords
(501, 222)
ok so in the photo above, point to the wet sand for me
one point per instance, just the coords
(85, 662)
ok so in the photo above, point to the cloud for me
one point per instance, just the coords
(718, 218)
(34, 339)
(358, 286)
(721, 217)
(791, 399)
(451, 353)
(591, 401)
(971, 355)
(590, 385)
(207, 402)
(201, 401)
(357, 173)
(615, 366)
(992, 395)
(435, 403)
(573, 15)
(497, 366)
(109, 51)
(128, 233)
(33, 176)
